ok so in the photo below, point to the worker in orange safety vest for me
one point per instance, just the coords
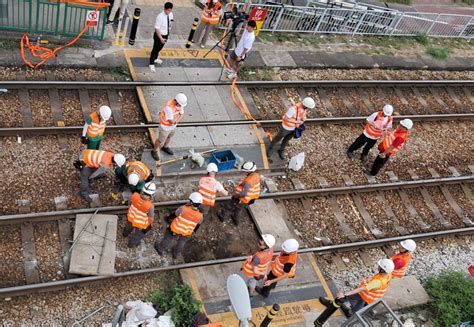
(94, 128)
(134, 174)
(247, 192)
(210, 17)
(182, 224)
(141, 214)
(391, 143)
(291, 121)
(407, 247)
(255, 268)
(376, 124)
(284, 266)
(209, 186)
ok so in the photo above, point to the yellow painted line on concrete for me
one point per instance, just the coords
(320, 276)
(192, 283)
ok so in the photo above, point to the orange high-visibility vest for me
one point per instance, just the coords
(208, 190)
(265, 260)
(95, 158)
(406, 257)
(254, 192)
(376, 132)
(388, 140)
(296, 120)
(139, 168)
(138, 211)
(185, 223)
(97, 126)
(176, 113)
(213, 16)
(374, 295)
(280, 261)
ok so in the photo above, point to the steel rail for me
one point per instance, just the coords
(259, 84)
(63, 284)
(54, 215)
(13, 131)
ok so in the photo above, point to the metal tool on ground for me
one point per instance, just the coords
(270, 315)
(82, 231)
(133, 30)
(191, 33)
(196, 157)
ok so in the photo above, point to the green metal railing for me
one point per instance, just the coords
(75, 20)
(47, 17)
(15, 15)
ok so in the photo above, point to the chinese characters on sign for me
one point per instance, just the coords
(258, 15)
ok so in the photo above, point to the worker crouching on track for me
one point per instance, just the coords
(209, 186)
(134, 174)
(141, 213)
(183, 223)
(291, 124)
(171, 114)
(210, 17)
(247, 192)
(255, 268)
(284, 266)
(93, 164)
(404, 256)
(369, 290)
(94, 128)
(377, 124)
(391, 143)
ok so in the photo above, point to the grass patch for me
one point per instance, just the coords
(257, 74)
(438, 52)
(9, 44)
(119, 73)
(421, 38)
(469, 2)
(452, 297)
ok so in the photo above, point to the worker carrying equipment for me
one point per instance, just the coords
(134, 174)
(283, 266)
(376, 125)
(405, 254)
(208, 187)
(94, 128)
(93, 164)
(247, 192)
(369, 290)
(140, 216)
(292, 125)
(391, 143)
(182, 224)
(255, 268)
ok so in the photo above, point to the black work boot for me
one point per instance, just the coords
(346, 310)
(364, 157)
(155, 155)
(157, 248)
(325, 301)
(281, 154)
(167, 150)
(349, 154)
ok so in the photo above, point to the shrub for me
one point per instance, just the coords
(452, 296)
(421, 38)
(179, 297)
(438, 52)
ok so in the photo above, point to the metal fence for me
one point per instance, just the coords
(15, 15)
(285, 18)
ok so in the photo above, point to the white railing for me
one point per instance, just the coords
(286, 18)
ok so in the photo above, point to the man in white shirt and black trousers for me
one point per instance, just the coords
(161, 34)
(240, 52)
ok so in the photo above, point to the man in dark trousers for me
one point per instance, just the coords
(161, 34)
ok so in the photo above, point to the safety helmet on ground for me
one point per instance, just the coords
(290, 245)
(408, 245)
(212, 168)
(182, 99)
(105, 112)
(119, 159)
(269, 240)
(388, 110)
(387, 265)
(249, 166)
(149, 188)
(195, 198)
(133, 179)
(407, 123)
(309, 103)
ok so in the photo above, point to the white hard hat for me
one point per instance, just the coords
(195, 198)
(309, 103)
(290, 245)
(407, 123)
(149, 188)
(119, 159)
(408, 245)
(105, 112)
(212, 168)
(387, 265)
(133, 179)
(182, 99)
(249, 166)
(269, 240)
(388, 110)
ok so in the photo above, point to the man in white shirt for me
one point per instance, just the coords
(161, 34)
(245, 44)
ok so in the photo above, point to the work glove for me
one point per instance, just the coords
(78, 165)
(84, 140)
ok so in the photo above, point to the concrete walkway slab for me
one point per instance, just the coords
(231, 135)
(277, 59)
(405, 293)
